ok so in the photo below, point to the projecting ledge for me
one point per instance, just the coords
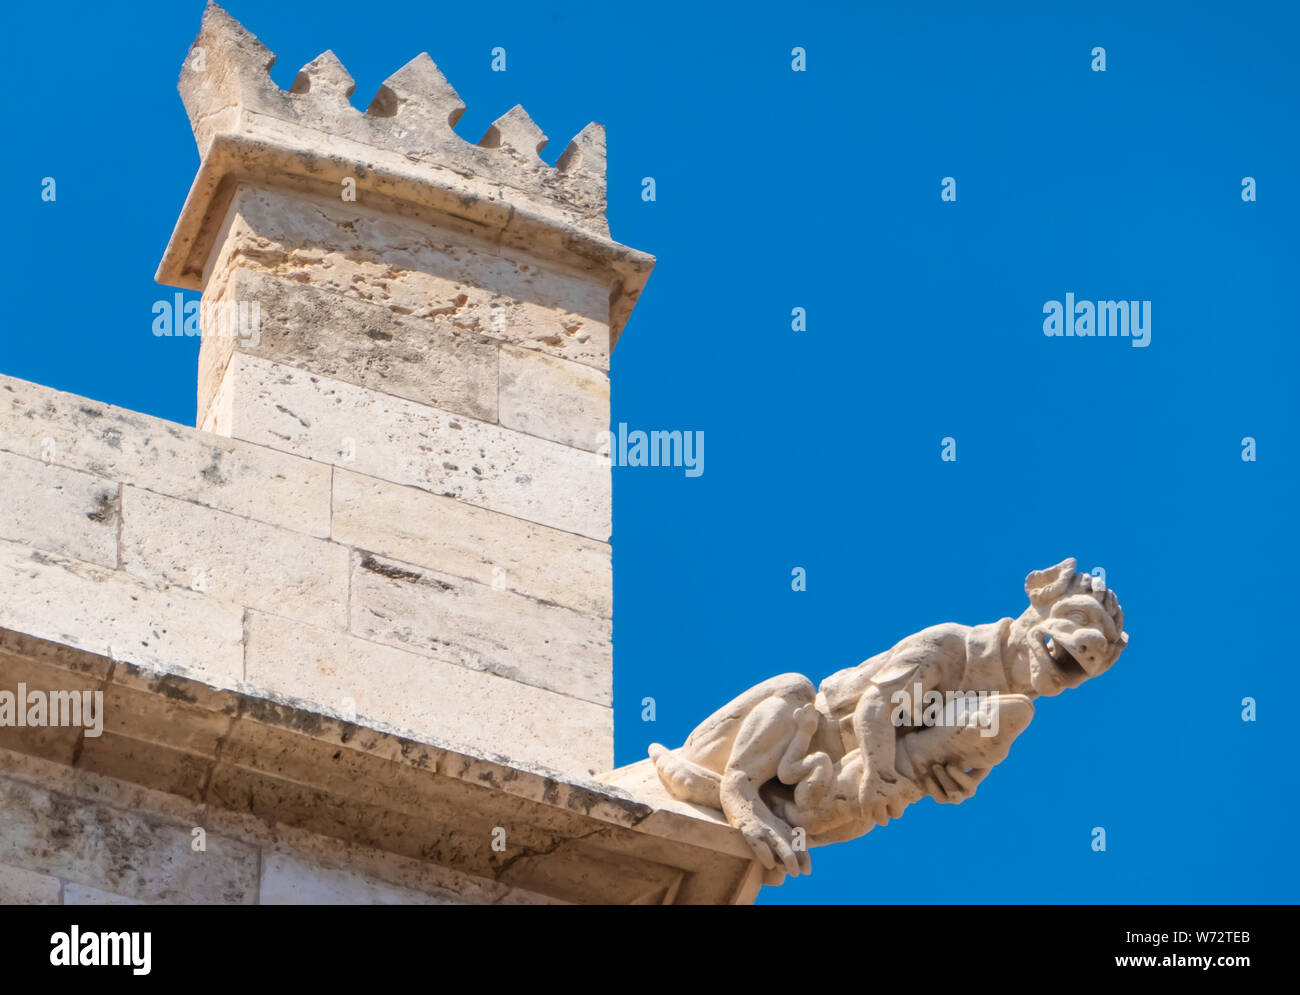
(556, 837)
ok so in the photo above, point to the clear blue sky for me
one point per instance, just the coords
(821, 190)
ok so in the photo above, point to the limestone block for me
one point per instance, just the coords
(367, 794)
(59, 510)
(420, 876)
(267, 797)
(19, 886)
(172, 459)
(413, 525)
(434, 701)
(408, 443)
(338, 768)
(177, 772)
(477, 626)
(188, 698)
(216, 398)
(124, 852)
(158, 731)
(83, 785)
(459, 283)
(429, 361)
(289, 880)
(233, 559)
(109, 613)
(165, 711)
(377, 868)
(216, 347)
(89, 668)
(554, 399)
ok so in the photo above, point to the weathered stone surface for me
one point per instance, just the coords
(420, 876)
(340, 795)
(461, 284)
(112, 614)
(349, 793)
(59, 510)
(269, 797)
(157, 731)
(428, 361)
(82, 784)
(158, 718)
(162, 456)
(436, 701)
(234, 560)
(179, 702)
(554, 399)
(127, 853)
(339, 768)
(412, 115)
(408, 443)
(288, 880)
(216, 391)
(80, 894)
(427, 529)
(176, 772)
(88, 667)
(477, 626)
(19, 886)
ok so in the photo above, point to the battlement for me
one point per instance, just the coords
(401, 153)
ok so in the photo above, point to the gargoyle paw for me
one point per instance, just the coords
(774, 849)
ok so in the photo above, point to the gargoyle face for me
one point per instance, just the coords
(1075, 628)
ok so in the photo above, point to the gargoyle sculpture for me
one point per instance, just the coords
(792, 766)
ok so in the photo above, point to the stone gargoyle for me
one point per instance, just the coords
(792, 766)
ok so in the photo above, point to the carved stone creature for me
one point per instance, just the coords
(792, 766)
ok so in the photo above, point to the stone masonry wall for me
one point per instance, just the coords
(247, 567)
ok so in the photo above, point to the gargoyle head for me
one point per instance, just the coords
(1072, 630)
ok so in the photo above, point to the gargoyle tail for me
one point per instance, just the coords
(684, 780)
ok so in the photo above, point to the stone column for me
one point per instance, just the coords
(432, 319)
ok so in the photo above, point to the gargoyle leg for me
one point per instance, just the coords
(755, 759)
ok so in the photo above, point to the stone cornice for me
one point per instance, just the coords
(287, 764)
